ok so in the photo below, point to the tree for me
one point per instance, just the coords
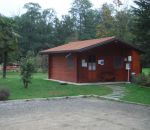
(123, 21)
(36, 27)
(141, 28)
(27, 69)
(8, 39)
(27, 27)
(118, 3)
(115, 22)
(84, 19)
(64, 30)
(106, 26)
(123, 25)
(45, 30)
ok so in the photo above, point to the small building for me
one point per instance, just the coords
(98, 60)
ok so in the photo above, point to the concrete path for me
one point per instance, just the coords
(73, 114)
(118, 92)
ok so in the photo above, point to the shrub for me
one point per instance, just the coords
(27, 69)
(4, 94)
(143, 80)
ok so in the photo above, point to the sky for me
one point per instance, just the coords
(15, 7)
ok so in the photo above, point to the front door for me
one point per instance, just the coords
(107, 69)
(92, 68)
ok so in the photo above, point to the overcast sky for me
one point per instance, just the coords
(15, 7)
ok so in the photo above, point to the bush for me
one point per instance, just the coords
(4, 94)
(143, 80)
(27, 68)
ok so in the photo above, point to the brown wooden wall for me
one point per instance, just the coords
(136, 64)
(108, 53)
(59, 70)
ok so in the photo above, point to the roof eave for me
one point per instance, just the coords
(58, 52)
(134, 47)
(91, 47)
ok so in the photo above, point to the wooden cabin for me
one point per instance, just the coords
(98, 60)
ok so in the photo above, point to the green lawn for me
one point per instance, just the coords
(42, 88)
(135, 93)
(146, 70)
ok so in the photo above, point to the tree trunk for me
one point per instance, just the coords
(5, 63)
(25, 84)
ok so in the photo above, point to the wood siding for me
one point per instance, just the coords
(109, 53)
(59, 70)
(136, 64)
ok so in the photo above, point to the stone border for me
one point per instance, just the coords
(97, 83)
(73, 97)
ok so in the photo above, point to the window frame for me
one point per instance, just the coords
(118, 62)
(70, 62)
(92, 63)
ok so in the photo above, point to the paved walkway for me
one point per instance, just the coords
(118, 92)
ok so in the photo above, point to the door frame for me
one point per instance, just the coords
(92, 67)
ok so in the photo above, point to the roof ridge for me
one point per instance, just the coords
(90, 39)
(108, 38)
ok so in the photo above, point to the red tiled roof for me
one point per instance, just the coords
(78, 45)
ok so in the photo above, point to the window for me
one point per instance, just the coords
(92, 63)
(118, 62)
(92, 59)
(70, 62)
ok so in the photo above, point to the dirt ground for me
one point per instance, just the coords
(73, 114)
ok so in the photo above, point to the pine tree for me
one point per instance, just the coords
(142, 28)
(8, 39)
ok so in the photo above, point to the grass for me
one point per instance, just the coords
(40, 88)
(136, 93)
(146, 70)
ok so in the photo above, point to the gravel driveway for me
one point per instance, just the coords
(73, 114)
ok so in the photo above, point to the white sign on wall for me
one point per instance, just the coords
(101, 62)
(129, 58)
(128, 66)
(84, 63)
